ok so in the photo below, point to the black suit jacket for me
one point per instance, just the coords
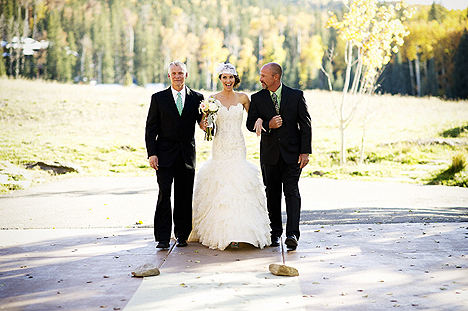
(293, 137)
(167, 132)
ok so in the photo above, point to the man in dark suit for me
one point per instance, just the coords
(280, 114)
(170, 143)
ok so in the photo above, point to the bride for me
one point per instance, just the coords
(229, 199)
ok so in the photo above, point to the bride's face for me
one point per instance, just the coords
(228, 81)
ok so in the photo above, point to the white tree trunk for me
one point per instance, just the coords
(343, 119)
(411, 71)
(418, 74)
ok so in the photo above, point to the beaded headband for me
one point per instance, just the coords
(226, 68)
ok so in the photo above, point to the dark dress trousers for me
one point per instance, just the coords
(279, 153)
(171, 137)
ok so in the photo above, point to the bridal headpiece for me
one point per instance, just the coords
(226, 68)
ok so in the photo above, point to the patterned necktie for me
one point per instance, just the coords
(275, 101)
(179, 103)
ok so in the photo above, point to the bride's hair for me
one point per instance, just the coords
(236, 78)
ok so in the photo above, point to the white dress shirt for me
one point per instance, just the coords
(182, 94)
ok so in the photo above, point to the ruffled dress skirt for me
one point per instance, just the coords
(229, 197)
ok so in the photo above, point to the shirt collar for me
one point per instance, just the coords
(182, 93)
(174, 92)
(278, 92)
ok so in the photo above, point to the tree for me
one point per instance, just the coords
(310, 60)
(118, 40)
(460, 77)
(56, 52)
(3, 71)
(371, 34)
(2, 64)
(102, 44)
(144, 48)
(437, 13)
(247, 65)
(212, 53)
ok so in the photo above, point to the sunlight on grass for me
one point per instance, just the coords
(101, 128)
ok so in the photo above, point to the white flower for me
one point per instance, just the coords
(212, 106)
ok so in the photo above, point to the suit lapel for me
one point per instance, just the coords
(269, 101)
(188, 98)
(170, 101)
(284, 97)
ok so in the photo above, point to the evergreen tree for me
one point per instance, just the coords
(143, 47)
(8, 8)
(437, 13)
(2, 64)
(54, 53)
(3, 71)
(460, 76)
(432, 84)
(102, 49)
(120, 40)
(72, 54)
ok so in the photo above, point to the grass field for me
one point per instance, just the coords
(101, 128)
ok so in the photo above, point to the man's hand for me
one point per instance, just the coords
(153, 161)
(259, 127)
(276, 122)
(303, 159)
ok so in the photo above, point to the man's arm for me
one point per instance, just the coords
(305, 127)
(200, 98)
(201, 117)
(151, 130)
(253, 117)
(154, 162)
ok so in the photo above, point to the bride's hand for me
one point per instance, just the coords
(259, 126)
(203, 123)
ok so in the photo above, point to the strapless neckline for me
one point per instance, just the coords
(229, 108)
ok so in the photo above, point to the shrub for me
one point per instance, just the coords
(454, 175)
(458, 163)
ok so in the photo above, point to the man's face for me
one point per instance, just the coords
(268, 79)
(177, 76)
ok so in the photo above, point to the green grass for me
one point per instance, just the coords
(455, 174)
(102, 130)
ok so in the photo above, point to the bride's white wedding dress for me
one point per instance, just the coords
(229, 197)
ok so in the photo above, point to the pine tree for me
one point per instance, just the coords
(2, 64)
(460, 76)
(54, 57)
(144, 49)
(437, 13)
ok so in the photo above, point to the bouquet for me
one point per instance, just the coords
(209, 107)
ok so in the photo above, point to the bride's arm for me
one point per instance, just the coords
(245, 101)
(258, 127)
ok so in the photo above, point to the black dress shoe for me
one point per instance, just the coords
(181, 242)
(291, 242)
(274, 241)
(163, 244)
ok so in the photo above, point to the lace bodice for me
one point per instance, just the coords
(228, 143)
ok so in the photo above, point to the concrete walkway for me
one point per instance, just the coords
(364, 246)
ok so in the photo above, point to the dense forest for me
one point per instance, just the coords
(133, 41)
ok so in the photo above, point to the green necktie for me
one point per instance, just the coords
(179, 103)
(275, 101)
